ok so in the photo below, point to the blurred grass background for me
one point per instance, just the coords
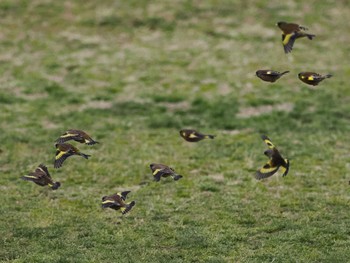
(131, 74)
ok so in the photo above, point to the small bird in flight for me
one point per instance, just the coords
(270, 75)
(42, 177)
(117, 201)
(312, 78)
(162, 170)
(291, 32)
(76, 135)
(194, 136)
(276, 161)
(63, 151)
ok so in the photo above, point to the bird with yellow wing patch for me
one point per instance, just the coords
(65, 150)
(191, 135)
(76, 135)
(42, 177)
(117, 202)
(291, 32)
(276, 161)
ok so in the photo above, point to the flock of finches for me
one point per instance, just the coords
(291, 32)
(117, 201)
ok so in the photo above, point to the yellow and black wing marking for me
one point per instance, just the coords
(158, 173)
(267, 170)
(61, 156)
(127, 207)
(69, 135)
(288, 41)
(268, 142)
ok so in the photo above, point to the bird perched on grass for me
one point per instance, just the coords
(290, 33)
(270, 75)
(276, 161)
(76, 135)
(161, 170)
(63, 151)
(194, 136)
(312, 78)
(117, 201)
(42, 177)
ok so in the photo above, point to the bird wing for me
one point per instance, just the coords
(68, 135)
(285, 169)
(61, 156)
(272, 73)
(268, 142)
(266, 171)
(194, 135)
(123, 194)
(44, 169)
(288, 41)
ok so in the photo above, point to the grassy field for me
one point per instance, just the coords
(132, 74)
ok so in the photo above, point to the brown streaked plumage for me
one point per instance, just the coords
(42, 177)
(76, 135)
(162, 170)
(191, 135)
(64, 150)
(291, 32)
(312, 78)
(117, 201)
(276, 161)
(269, 75)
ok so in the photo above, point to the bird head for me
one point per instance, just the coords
(55, 185)
(281, 23)
(269, 153)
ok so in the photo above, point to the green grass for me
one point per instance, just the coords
(131, 74)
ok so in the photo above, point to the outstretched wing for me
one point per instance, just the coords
(268, 142)
(44, 169)
(266, 171)
(61, 156)
(67, 136)
(123, 195)
(288, 42)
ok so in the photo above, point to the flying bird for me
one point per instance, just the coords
(162, 170)
(76, 135)
(63, 151)
(270, 75)
(42, 177)
(194, 136)
(312, 78)
(291, 32)
(276, 161)
(117, 201)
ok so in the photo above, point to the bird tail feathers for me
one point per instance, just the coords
(310, 36)
(210, 136)
(86, 156)
(177, 177)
